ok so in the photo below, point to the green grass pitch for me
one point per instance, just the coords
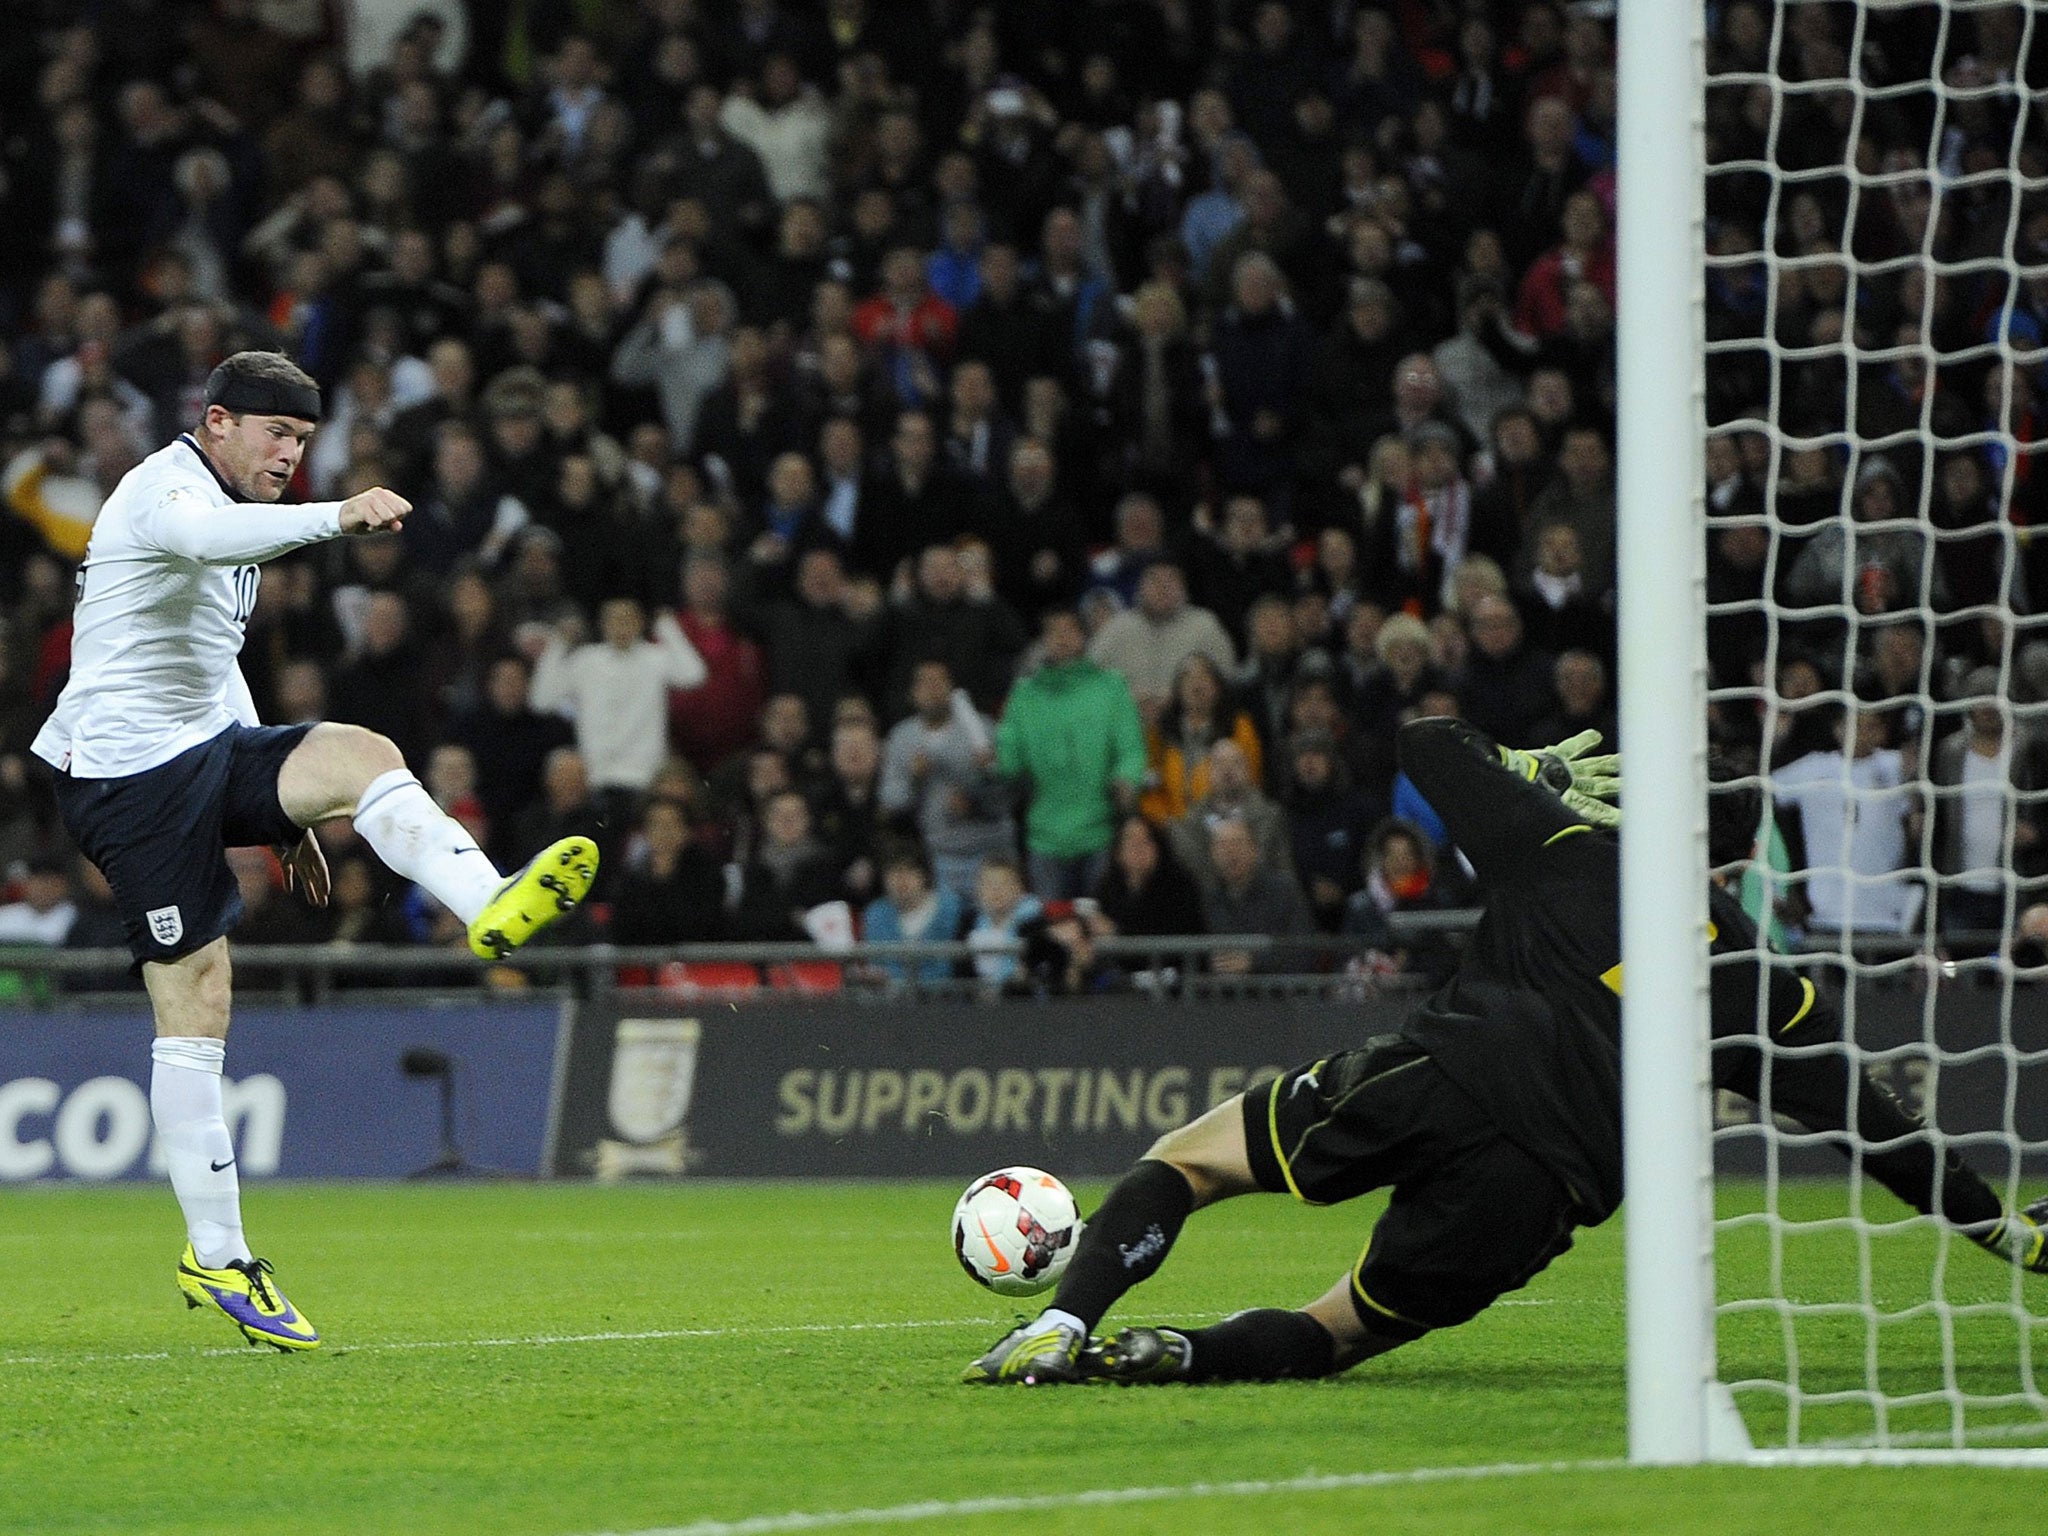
(562, 1360)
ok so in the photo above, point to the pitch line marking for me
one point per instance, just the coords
(948, 1509)
(523, 1341)
(547, 1340)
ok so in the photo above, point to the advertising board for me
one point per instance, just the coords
(309, 1092)
(659, 1086)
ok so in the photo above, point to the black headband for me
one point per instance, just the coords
(239, 392)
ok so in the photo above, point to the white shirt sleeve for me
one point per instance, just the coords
(180, 522)
(681, 666)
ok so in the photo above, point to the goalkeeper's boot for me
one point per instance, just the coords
(2030, 1234)
(1139, 1357)
(549, 887)
(244, 1292)
(2022, 1239)
(1031, 1354)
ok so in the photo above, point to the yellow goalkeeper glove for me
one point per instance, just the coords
(1584, 783)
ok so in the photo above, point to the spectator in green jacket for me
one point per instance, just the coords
(1071, 736)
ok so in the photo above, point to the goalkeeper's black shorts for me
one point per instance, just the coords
(1472, 1215)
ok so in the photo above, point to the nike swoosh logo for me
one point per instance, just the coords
(1002, 1265)
(218, 1167)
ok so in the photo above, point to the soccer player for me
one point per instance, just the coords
(162, 766)
(1494, 1112)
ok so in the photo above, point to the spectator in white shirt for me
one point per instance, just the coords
(1861, 820)
(784, 122)
(938, 768)
(1985, 776)
(615, 690)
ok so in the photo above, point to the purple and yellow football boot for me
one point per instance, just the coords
(247, 1296)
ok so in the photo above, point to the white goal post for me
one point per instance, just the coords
(1661, 592)
(1679, 1411)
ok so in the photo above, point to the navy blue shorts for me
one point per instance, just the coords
(161, 836)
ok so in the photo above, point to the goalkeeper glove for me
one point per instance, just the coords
(1585, 784)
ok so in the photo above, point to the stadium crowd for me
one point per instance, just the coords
(1009, 469)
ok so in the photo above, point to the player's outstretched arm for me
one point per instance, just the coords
(1498, 818)
(185, 524)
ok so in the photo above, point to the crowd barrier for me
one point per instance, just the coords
(1174, 966)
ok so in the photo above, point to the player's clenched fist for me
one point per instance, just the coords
(372, 510)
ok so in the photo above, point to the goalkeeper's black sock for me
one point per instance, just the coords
(1265, 1345)
(1125, 1241)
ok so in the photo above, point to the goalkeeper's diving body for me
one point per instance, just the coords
(1493, 1112)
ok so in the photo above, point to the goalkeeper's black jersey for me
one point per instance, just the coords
(1530, 1026)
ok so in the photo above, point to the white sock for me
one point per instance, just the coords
(184, 1100)
(422, 842)
(1064, 1319)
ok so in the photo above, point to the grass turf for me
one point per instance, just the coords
(806, 1345)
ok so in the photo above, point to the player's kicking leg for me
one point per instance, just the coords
(1124, 1243)
(344, 770)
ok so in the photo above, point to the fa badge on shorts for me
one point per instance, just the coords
(166, 925)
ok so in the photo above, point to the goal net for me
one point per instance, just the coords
(1875, 317)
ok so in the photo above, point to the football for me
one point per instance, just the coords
(1015, 1229)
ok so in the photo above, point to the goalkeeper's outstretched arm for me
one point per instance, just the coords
(1498, 816)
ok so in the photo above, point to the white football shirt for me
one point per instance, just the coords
(164, 597)
(1854, 812)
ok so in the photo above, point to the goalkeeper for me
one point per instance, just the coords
(1494, 1112)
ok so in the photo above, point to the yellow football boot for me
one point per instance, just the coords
(550, 885)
